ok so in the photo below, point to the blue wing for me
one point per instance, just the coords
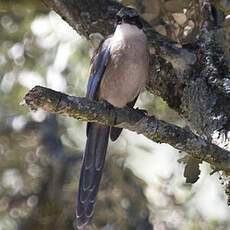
(99, 64)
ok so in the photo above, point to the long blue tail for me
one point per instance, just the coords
(91, 171)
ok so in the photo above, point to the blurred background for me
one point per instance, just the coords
(40, 153)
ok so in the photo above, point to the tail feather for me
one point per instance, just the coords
(91, 171)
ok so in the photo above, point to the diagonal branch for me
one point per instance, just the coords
(89, 16)
(132, 119)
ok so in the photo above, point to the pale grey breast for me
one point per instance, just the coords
(127, 70)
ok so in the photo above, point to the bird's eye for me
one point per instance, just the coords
(118, 20)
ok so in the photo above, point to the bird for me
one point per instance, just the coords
(118, 73)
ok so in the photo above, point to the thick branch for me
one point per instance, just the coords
(89, 16)
(132, 119)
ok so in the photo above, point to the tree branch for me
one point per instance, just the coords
(88, 17)
(132, 119)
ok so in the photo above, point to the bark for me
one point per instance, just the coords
(129, 118)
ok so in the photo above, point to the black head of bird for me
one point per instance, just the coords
(130, 16)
